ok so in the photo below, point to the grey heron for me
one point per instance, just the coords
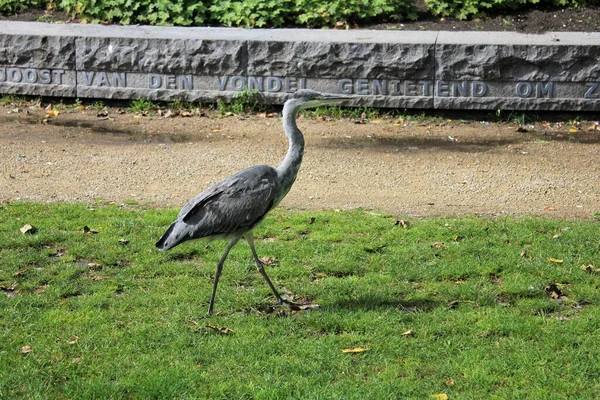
(232, 208)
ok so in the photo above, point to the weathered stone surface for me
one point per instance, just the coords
(161, 56)
(446, 70)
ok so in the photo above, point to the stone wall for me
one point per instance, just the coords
(396, 69)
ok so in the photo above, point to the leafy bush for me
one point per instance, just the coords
(315, 13)
(161, 12)
(251, 13)
(17, 6)
(463, 9)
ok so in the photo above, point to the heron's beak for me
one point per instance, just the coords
(334, 98)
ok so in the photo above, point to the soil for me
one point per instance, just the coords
(411, 166)
(532, 20)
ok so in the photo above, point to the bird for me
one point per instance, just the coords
(232, 208)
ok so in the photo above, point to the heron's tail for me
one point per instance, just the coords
(164, 243)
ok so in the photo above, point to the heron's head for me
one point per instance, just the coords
(306, 98)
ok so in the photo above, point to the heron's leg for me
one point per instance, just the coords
(231, 243)
(259, 266)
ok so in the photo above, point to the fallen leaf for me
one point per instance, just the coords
(94, 265)
(10, 288)
(440, 396)
(223, 331)
(402, 223)
(26, 349)
(185, 114)
(555, 260)
(269, 261)
(52, 113)
(123, 241)
(97, 278)
(592, 127)
(74, 340)
(41, 289)
(355, 350)
(407, 333)
(168, 114)
(573, 130)
(450, 382)
(20, 272)
(521, 130)
(590, 268)
(28, 228)
(87, 229)
(437, 245)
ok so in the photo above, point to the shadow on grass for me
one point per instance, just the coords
(371, 302)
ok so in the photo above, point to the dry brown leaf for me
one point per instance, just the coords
(10, 288)
(87, 229)
(555, 260)
(355, 350)
(269, 261)
(20, 272)
(52, 113)
(590, 268)
(26, 349)
(402, 223)
(407, 333)
(74, 340)
(28, 228)
(437, 245)
(450, 382)
(185, 114)
(41, 289)
(221, 330)
(97, 278)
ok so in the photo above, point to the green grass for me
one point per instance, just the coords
(107, 318)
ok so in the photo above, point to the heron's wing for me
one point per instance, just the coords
(236, 203)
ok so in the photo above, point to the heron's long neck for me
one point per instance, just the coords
(291, 163)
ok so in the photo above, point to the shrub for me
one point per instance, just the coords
(161, 12)
(315, 13)
(17, 6)
(251, 13)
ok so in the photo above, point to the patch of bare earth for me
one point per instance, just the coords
(424, 167)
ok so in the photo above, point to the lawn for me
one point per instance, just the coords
(468, 308)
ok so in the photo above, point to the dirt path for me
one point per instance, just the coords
(401, 167)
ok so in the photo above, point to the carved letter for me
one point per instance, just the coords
(302, 83)
(362, 87)
(171, 82)
(154, 81)
(238, 83)
(222, 82)
(255, 82)
(410, 88)
(443, 89)
(591, 92)
(3, 74)
(119, 79)
(58, 73)
(479, 89)
(380, 87)
(273, 84)
(524, 89)
(45, 76)
(31, 75)
(426, 87)
(103, 79)
(88, 79)
(459, 88)
(291, 85)
(345, 86)
(15, 75)
(547, 89)
(186, 82)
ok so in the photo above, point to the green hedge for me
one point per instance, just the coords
(464, 9)
(245, 13)
(273, 13)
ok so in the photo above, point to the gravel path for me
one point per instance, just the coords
(431, 167)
